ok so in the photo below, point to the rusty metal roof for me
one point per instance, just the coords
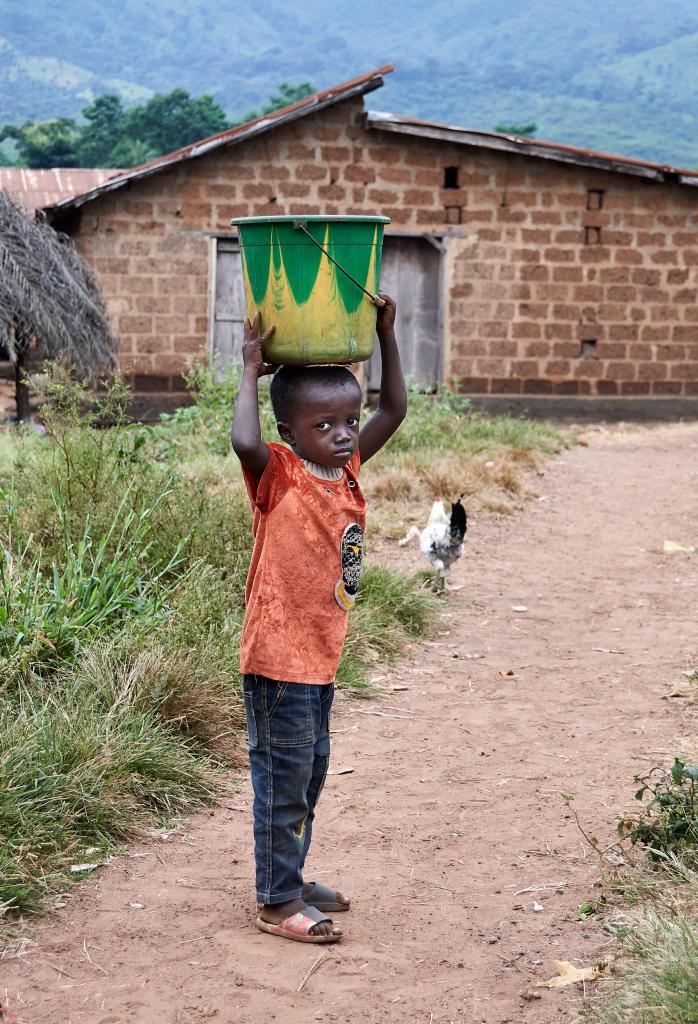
(531, 147)
(327, 97)
(34, 189)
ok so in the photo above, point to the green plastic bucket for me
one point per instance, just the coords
(321, 315)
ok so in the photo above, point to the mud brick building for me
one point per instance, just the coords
(532, 274)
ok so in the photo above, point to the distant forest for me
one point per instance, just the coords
(113, 135)
(617, 76)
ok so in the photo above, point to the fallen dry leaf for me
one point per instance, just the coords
(568, 974)
(508, 672)
(7, 1016)
(528, 994)
(670, 547)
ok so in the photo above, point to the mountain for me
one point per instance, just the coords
(619, 76)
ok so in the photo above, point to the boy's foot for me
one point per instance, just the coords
(330, 901)
(277, 913)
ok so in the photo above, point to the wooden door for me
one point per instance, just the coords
(228, 305)
(410, 273)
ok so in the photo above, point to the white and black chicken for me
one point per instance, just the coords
(441, 540)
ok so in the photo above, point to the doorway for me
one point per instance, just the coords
(410, 272)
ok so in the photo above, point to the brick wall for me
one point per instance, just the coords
(558, 279)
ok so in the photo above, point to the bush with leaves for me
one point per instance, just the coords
(668, 823)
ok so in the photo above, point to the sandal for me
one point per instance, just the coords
(297, 927)
(323, 898)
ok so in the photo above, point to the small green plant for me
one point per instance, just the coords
(669, 820)
(207, 422)
(590, 907)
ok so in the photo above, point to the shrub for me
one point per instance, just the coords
(668, 823)
(207, 422)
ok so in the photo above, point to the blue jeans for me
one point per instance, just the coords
(289, 742)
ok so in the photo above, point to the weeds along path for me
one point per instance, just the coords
(450, 823)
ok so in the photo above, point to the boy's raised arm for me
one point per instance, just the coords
(392, 400)
(246, 433)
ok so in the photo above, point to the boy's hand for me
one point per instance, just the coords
(386, 314)
(252, 356)
(392, 401)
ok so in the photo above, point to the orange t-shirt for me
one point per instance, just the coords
(304, 574)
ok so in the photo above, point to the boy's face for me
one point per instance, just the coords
(324, 427)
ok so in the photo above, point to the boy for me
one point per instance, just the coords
(303, 579)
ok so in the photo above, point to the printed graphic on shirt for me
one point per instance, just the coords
(352, 553)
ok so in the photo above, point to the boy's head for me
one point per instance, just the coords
(317, 410)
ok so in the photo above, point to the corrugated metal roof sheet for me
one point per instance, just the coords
(354, 87)
(530, 147)
(35, 189)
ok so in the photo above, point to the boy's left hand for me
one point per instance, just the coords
(386, 314)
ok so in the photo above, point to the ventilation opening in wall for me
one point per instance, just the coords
(588, 350)
(592, 236)
(595, 198)
(451, 177)
(453, 214)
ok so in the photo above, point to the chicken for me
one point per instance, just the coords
(441, 540)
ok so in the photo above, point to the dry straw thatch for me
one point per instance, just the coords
(50, 304)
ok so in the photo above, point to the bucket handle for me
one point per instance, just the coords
(300, 225)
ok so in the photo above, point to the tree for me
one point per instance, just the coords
(115, 136)
(132, 153)
(104, 130)
(287, 95)
(166, 123)
(526, 130)
(45, 143)
(50, 304)
(118, 136)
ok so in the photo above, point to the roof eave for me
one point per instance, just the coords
(209, 145)
(516, 144)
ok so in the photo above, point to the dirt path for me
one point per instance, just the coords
(453, 806)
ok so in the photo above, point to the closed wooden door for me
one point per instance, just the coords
(410, 273)
(229, 309)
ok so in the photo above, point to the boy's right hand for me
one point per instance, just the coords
(252, 356)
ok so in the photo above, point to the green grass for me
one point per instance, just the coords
(445, 422)
(658, 980)
(86, 765)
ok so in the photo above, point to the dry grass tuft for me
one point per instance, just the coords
(190, 692)
(658, 936)
(401, 487)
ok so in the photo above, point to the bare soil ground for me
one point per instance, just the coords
(451, 823)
